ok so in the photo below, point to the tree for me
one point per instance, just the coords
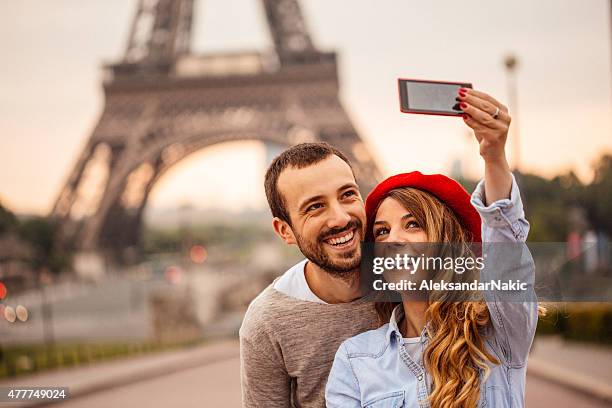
(598, 196)
(42, 233)
(8, 220)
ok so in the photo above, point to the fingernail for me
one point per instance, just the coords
(457, 99)
(463, 105)
(465, 117)
(462, 91)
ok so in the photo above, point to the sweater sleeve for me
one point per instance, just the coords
(264, 380)
(263, 374)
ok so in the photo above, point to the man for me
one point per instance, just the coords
(293, 329)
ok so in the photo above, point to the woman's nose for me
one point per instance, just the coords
(398, 243)
(392, 248)
(396, 236)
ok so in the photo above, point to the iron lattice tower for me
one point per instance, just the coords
(163, 103)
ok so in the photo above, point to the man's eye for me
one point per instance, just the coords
(313, 207)
(349, 193)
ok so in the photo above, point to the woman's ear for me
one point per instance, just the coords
(284, 231)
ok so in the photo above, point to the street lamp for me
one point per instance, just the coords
(511, 64)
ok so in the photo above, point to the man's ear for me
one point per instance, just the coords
(284, 231)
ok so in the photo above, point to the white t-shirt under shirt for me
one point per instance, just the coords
(293, 283)
(413, 347)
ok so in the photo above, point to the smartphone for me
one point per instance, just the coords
(430, 97)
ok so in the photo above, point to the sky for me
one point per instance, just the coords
(51, 95)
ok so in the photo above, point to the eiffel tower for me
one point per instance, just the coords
(163, 102)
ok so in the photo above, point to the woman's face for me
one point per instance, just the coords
(394, 223)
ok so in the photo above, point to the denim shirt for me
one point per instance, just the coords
(373, 369)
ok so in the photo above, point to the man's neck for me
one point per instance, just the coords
(331, 288)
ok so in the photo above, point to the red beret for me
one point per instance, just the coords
(444, 188)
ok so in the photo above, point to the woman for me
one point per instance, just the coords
(431, 352)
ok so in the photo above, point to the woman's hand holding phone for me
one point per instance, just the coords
(480, 114)
(490, 121)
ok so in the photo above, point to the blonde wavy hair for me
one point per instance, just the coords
(456, 351)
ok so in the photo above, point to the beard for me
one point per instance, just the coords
(337, 264)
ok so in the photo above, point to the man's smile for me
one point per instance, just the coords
(343, 240)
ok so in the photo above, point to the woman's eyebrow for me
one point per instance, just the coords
(379, 222)
(408, 215)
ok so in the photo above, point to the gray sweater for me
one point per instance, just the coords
(287, 347)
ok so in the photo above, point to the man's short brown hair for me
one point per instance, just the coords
(298, 156)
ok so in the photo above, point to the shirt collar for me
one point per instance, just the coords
(393, 330)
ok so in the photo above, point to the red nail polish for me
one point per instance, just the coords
(465, 117)
(463, 90)
(463, 105)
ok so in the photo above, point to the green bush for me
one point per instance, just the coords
(17, 360)
(586, 322)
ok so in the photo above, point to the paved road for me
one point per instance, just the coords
(211, 385)
(543, 394)
(217, 384)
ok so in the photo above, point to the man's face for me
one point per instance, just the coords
(327, 213)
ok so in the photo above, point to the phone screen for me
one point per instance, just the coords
(430, 97)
